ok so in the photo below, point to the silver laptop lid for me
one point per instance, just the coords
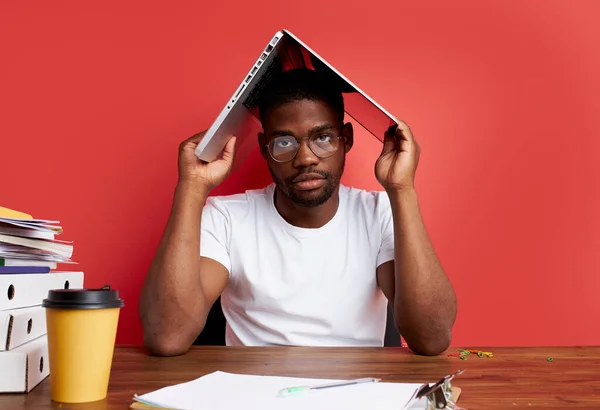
(284, 52)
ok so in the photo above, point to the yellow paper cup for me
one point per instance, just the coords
(81, 327)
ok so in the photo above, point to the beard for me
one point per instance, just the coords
(309, 199)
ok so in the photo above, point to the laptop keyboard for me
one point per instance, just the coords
(274, 68)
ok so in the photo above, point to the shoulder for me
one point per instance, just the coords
(239, 205)
(368, 209)
(365, 199)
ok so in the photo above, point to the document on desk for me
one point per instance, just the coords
(228, 391)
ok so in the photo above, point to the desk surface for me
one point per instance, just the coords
(513, 378)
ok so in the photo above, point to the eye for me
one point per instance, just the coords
(324, 138)
(283, 143)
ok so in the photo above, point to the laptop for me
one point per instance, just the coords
(240, 117)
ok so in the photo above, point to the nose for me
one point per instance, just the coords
(305, 157)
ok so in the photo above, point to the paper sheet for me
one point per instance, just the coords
(228, 391)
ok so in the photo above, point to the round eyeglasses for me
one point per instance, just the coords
(285, 148)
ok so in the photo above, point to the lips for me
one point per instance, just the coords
(307, 177)
(308, 182)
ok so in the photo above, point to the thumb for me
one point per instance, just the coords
(196, 138)
(228, 154)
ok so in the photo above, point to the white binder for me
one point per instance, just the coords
(29, 289)
(19, 326)
(24, 367)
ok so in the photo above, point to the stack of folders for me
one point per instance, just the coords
(29, 255)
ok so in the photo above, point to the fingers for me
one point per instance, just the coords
(403, 128)
(406, 137)
(194, 139)
(228, 154)
(389, 143)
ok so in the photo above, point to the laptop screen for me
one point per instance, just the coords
(291, 54)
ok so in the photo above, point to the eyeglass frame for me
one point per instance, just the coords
(299, 140)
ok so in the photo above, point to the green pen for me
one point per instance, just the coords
(301, 389)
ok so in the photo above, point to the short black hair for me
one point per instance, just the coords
(301, 84)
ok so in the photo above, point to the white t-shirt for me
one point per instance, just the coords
(296, 286)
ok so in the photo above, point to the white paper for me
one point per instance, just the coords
(229, 391)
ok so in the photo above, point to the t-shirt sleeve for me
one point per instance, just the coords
(214, 233)
(386, 223)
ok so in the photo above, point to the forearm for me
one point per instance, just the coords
(424, 300)
(172, 305)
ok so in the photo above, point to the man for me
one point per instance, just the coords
(304, 261)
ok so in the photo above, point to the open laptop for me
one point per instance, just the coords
(239, 117)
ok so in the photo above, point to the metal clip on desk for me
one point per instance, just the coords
(437, 396)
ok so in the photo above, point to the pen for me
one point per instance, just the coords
(299, 389)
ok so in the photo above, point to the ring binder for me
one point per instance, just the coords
(438, 396)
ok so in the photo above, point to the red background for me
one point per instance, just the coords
(502, 96)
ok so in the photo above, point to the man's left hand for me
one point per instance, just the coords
(396, 166)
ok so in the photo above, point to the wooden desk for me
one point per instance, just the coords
(515, 378)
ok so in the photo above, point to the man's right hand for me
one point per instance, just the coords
(174, 303)
(205, 175)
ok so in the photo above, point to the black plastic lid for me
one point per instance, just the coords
(103, 298)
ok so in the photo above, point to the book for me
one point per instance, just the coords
(8, 229)
(32, 242)
(11, 270)
(62, 248)
(35, 224)
(24, 261)
(22, 253)
(11, 213)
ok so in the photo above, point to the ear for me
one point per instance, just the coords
(348, 133)
(262, 142)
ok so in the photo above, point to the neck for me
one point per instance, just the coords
(306, 217)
